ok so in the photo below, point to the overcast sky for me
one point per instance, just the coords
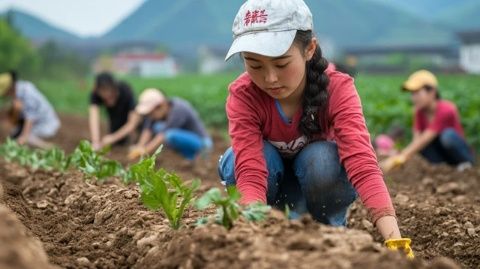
(81, 17)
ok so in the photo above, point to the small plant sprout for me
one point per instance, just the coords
(51, 159)
(228, 209)
(256, 212)
(161, 189)
(136, 172)
(93, 164)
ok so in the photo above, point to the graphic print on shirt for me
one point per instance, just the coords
(291, 148)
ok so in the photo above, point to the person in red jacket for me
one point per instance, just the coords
(437, 132)
(299, 138)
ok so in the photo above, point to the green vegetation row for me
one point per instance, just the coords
(159, 189)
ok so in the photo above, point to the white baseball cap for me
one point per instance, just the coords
(149, 99)
(268, 27)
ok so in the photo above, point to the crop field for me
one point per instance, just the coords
(75, 208)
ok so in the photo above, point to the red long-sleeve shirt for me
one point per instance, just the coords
(254, 117)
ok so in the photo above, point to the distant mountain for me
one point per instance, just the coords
(184, 25)
(345, 22)
(464, 17)
(179, 22)
(454, 14)
(369, 23)
(38, 30)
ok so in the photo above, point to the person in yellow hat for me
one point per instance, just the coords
(438, 134)
(35, 117)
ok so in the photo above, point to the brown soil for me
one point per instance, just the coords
(91, 225)
(438, 207)
(18, 248)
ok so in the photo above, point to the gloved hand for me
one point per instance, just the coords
(392, 162)
(135, 153)
(403, 244)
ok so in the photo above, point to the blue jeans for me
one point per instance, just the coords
(188, 144)
(448, 147)
(312, 182)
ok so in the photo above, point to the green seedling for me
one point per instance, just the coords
(162, 190)
(56, 159)
(256, 212)
(93, 164)
(136, 172)
(228, 209)
(13, 152)
(51, 159)
(287, 211)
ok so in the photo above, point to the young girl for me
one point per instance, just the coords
(33, 117)
(170, 121)
(298, 133)
(438, 134)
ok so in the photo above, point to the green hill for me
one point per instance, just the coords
(365, 23)
(453, 14)
(188, 24)
(346, 22)
(178, 22)
(38, 30)
(464, 17)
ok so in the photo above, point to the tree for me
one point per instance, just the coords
(59, 61)
(16, 52)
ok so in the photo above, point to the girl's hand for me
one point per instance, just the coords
(388, 227)
(136, 152)
(96, 146)
(21, 140)
(108, 140)
(401, 244)
(392, 162)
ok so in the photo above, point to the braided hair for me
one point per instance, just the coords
(315, 95)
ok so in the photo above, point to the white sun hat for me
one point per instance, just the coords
(268, 27)
(149, 100)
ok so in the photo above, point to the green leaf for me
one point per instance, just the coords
(162, 190)
(211, 196)
(256, 212)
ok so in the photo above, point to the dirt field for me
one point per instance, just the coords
(51, 220)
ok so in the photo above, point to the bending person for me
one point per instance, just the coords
(299, 137)
(437, 132)
(118, 99)
(173, 122)
(33, 117)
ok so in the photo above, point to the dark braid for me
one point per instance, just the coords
(315, 95)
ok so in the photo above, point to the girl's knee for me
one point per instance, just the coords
(448, 137)
(274, 163)
(272, 158)
(170, 135)
(319, 165)
(225, 167)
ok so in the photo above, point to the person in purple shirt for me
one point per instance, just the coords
(170, 121)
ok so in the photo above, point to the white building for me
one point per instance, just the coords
(470, 51)
(139, 64)
(145, 65)
(211, 60)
